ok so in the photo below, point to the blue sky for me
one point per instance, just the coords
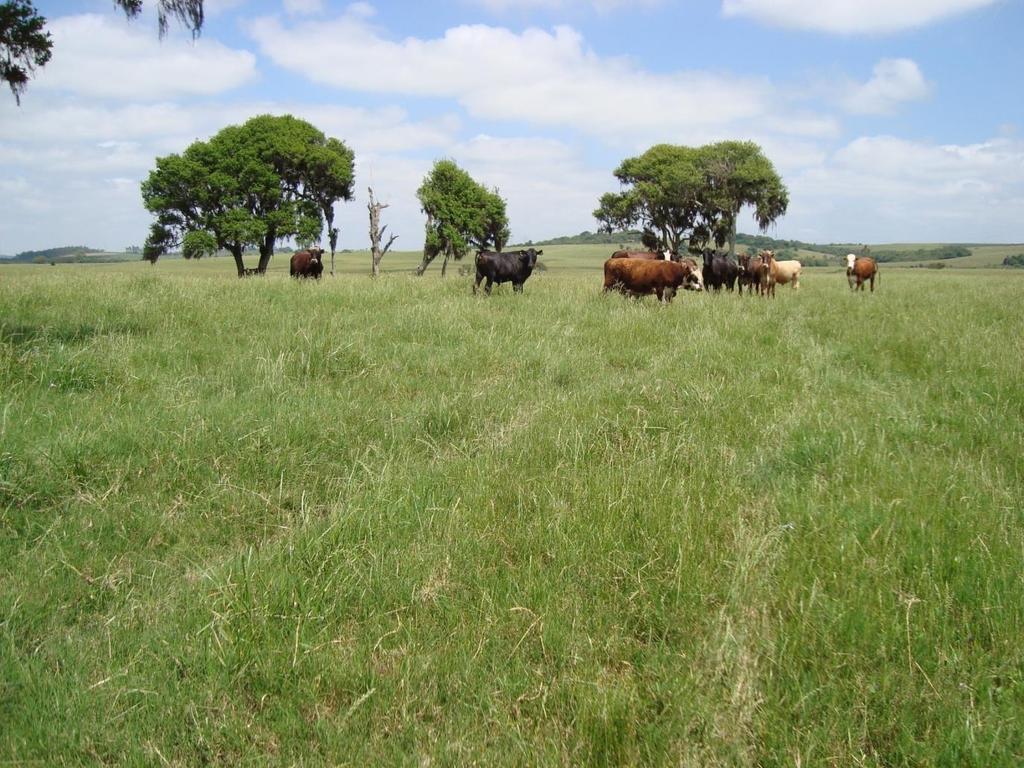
(889, 120)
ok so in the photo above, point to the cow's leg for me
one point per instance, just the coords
(476, 283)
(872, 283)
(487, 288)
(517, 287)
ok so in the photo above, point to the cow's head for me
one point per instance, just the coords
(693, 280)
(529, 257)
(316, 255)
(850, 260)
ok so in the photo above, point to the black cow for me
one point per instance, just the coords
(719, 269)
(504, 267)
(307, 263)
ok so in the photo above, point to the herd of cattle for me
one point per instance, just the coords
(643, 273)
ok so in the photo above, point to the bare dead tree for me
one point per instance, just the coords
(377, 232)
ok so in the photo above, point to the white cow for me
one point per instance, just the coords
(784, 272)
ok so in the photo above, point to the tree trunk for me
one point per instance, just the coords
(377, 234)
(332, 234)
(444, 265)
(236, 251)
(427, 256)
(266, 251)
(732, 233)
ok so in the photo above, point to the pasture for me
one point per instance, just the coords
(361, 523)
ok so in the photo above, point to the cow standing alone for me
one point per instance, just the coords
(307, 263)
(861, 270)
(508, 267)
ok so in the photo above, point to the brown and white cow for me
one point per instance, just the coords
(863, 269)
(642, 277)
(308, 263)
(646, 255)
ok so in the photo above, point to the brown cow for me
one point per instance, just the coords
(767, 274)
(864, 269)
(647, 255)
(307, 263)
(751, 273)
(641, 277)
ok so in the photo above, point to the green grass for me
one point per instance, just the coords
(355, 522)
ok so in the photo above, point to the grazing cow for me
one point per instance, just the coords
(307, 263)
(510, 266)
(647, 255)
(864, 269)
(640, 277)
(719, 270)
(752, 273)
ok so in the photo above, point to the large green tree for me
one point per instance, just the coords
(326, 170)
(461, 214)
(248, 186)
(24, 45)
(676, 194)
(661, 195)
(737, 174)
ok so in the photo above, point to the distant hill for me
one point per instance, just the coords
(593, 238)
(70, 254)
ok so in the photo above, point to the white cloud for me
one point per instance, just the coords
(361, 10)
(602, 6)
(538, 77)
(549, 188)
(102, 152)
(107, 57)
(303, 7)
(850, 16)
(881, 188)
(895, 81)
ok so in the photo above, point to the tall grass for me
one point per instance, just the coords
(385, 522)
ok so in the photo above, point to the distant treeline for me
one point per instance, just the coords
(932, 253)
(593, 238)
(1017, 260)
(53, 254)
(941, 253)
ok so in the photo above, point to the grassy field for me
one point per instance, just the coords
(363, 523)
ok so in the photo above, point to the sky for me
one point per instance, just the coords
(888, 120)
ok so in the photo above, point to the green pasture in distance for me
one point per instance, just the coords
(573, 258)
(386, 522)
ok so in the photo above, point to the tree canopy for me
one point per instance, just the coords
(248, 186)
(678, 193)
(25, 45)
(737, 174)
(461, 214)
